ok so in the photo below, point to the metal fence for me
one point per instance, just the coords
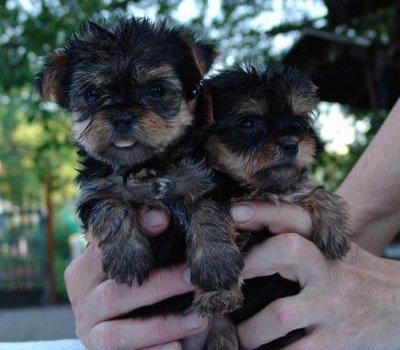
(22, 257)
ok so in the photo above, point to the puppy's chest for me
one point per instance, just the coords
(184, 181)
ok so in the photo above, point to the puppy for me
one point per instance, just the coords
(129, 85)
(261, 145)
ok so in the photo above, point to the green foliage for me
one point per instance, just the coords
(35, 141)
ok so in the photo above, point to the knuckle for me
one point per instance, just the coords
(105, 297)
(294, 243)
(160, 328)
(104, 336)
(291, 245)
(160, 282)
(283, 314)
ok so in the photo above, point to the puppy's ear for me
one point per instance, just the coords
(54, 78)
(93, 30)
(204, 107)
(196, 62)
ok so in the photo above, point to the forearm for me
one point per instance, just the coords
(372, 189)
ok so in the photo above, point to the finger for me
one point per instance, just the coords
(84, 273)
(110, 299)
(278, 218)
(131, 334)
(169, 346)
(292, 256)
(153, 221)
(276, 320)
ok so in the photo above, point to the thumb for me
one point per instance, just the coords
(154, 222)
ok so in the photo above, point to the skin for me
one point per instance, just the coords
(349, 304)
(372, 189)
(97, 301)
(352, 304)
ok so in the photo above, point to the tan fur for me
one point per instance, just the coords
(302, 103)
(92, 133)
(145, 76)
(307, 150)
(251, 107)
(243, 167)
(196, 55)
(162, 131)
(222, 335)
(78, 128)
(330, 217)
(50, 86)
(214, 259)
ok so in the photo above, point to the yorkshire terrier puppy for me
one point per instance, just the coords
(261, 145)
(129, 85)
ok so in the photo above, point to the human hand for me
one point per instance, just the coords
(352, 304)
(97, 302)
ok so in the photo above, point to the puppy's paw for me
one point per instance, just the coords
(217, 302)
(222, 335)
(127, 262)
(217, 266)
(333, 242)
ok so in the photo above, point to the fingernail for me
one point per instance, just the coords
(153, 218)
(242, 213)
(187, 275)
(192, 321)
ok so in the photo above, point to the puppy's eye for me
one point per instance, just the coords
(156, 91)
(91, 95)
(249, 126)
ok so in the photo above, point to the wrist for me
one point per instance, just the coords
(373, 226)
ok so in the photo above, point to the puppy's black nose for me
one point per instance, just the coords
(289, 146)
(122, 122)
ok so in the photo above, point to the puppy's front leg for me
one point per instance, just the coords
(331, 229)
(222, 335)
(126, 253)
(214, 259)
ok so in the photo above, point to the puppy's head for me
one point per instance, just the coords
(127, 83)
(262, 134)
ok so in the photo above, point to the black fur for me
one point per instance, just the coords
(129, 84)
(250, 162)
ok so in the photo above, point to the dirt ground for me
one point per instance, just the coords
(41, 323)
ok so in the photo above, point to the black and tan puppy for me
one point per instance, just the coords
(129, 85)
(261, 145)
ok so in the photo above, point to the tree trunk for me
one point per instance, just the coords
(50, 243)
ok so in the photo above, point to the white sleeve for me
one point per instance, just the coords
(70, 344)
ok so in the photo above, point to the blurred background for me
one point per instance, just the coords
(350, 48)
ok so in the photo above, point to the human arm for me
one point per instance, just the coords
(372, 189)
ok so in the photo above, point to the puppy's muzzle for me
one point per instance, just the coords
(289, 147)
(122, 123)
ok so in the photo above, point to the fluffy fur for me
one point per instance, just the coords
(129, 85)
(261, 145)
